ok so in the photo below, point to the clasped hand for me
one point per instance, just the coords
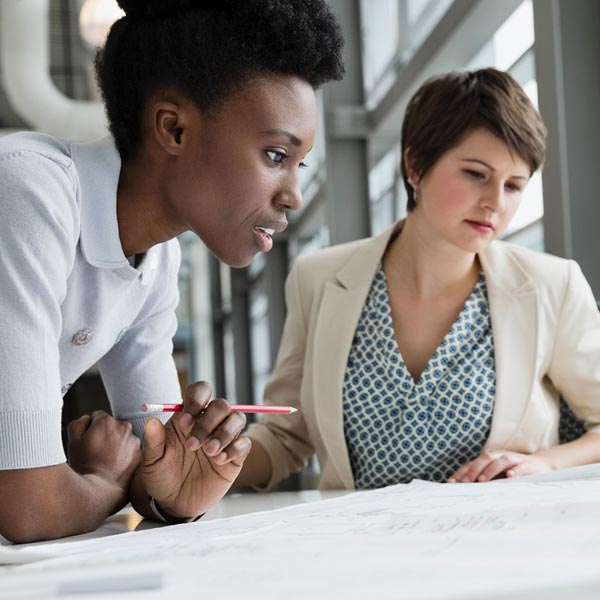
(495, 464)
(189, 464)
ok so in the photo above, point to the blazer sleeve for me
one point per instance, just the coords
(575, 364)
(285, 437)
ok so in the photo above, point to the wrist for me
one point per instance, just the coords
(162, 515)
(110, 491)
(549, 458)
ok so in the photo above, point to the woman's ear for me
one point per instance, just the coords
(413, 178)
(169, 118)
(168, 126)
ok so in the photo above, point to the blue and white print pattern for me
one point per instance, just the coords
(397, 429)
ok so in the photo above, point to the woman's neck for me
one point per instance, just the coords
(141, 214)
(428, 266)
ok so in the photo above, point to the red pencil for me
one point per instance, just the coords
(246, 408)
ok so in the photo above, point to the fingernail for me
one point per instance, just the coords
(451, 480)
(192, 443)
(482, 478)
(212, 447)
(186, 420)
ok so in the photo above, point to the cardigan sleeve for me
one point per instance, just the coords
(38, 235)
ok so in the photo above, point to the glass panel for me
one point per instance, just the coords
(515, 36)
(259, 342)
(383, 188)
(306, 244)
(380, 35)
(313, 175)
(392, 30)
(382, 213)
(229, 358)
(509, 43)
(415, 9)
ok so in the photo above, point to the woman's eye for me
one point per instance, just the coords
(474, 174)
(303, 165)
(513, 187)
(276, 156)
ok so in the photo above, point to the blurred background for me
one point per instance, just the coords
(230, 320)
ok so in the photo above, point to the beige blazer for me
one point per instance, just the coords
(546, 331)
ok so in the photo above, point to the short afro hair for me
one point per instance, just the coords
(207, 49)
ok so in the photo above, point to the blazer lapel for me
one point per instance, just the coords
(514, 312)
(339, 311)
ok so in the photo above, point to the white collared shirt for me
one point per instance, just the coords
(69, 298)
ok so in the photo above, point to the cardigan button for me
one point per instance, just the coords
(83, 336)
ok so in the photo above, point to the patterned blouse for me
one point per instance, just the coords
(397, 429)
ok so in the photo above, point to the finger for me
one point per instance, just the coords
(235, 453)
(225, 433)
(196, 399)
(497, 467)
(471, 471)
(98, 414)
(154, 442)
(525, 468)
(206, 424)
(458, 475)
(77, 427)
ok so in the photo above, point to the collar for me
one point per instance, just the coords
(366, 258)
(503, 271)
(98, 166)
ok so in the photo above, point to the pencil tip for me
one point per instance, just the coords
(293, 410)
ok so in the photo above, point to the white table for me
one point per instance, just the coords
(231, 505)
(400, 546)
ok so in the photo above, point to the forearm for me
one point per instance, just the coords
(583, 451)
(53, 502)
(257, 467)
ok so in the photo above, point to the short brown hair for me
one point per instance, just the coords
(448, 107)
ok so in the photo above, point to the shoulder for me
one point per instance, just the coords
(555, 280)
(25, 144)
(543, 268)
(35, 163)
(351, 265)
(38, 184)
(325, 263)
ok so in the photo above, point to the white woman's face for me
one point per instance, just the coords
(472, 192)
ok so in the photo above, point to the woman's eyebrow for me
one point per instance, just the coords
(296, 141)
(482, 162)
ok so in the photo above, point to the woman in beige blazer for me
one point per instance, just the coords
(483, 337)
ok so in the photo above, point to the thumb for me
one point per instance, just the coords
(76, 428)
(154, 442)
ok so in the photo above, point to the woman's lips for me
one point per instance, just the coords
(263, 235)
(480, 226)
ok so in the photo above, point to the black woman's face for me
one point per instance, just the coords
(240, 172)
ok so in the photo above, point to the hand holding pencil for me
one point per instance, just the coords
(189, 463)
